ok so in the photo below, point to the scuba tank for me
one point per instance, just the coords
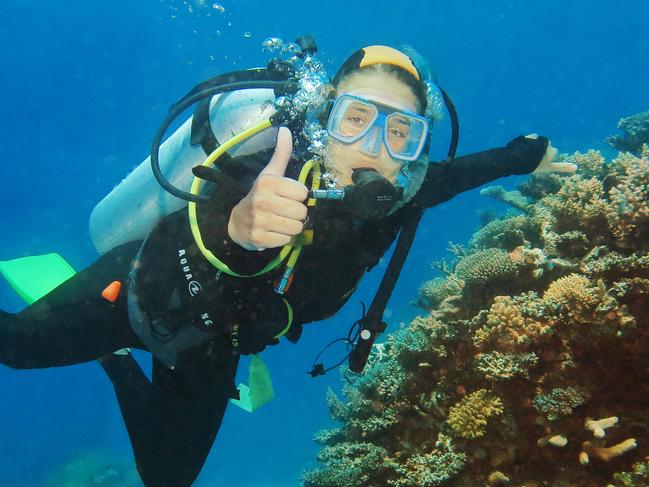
(131, 210)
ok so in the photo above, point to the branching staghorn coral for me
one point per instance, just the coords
(628, 212)
(430, 469)
(579, 204)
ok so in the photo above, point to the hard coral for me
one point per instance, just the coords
(486, 266)
(468, 418)
(636, 133)
(549, 363)
(350, 463)
(570, 291)
(429, 469)
(507, 329)
(560, 401)
(628, 212)
(506, 233)
(579, 204)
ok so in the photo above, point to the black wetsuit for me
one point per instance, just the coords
(172, 421)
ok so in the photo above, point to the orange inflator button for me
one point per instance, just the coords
(111, 293)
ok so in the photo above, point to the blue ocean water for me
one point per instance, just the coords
(84, 86)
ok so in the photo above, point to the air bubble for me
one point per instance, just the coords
(272, 44)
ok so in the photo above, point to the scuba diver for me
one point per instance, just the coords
(265, 240)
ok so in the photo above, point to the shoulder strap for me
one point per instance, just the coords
(372, 325)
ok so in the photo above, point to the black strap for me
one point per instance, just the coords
(372, 325)
(201, 131)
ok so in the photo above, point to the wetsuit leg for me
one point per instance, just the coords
(73, 323)
(172, 422)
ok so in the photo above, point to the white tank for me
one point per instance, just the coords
(130, 211)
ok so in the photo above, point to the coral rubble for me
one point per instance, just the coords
(530, 366)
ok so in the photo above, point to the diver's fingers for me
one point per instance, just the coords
(563, 167)
(284, 226)
(278, 163)
(289, 188)
(271, 240)
(287, 208)
(532, 136)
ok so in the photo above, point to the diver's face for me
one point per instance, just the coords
(343, 158)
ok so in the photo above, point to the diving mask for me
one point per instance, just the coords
(353, 118)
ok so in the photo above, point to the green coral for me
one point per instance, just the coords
(430, 469)
(560, 401)
(635, 130)
(352, 464)
(637, 477)
(330, 436)
(468, 418)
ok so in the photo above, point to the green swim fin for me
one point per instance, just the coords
(259, 390)
(35, 276)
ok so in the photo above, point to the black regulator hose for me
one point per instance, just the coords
(280, 87)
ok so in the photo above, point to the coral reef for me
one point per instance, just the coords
(530, 364)
(635, 133)
(100, 468)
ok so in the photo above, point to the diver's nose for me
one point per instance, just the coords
(373, 141)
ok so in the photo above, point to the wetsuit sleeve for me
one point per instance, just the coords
(443, 182)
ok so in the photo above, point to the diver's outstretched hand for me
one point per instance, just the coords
(272, 213)
(547, 164)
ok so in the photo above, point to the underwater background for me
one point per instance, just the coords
(84, 86)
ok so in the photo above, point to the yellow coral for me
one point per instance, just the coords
(575, 296)
(592, 160)
(468, 418)
(608, 453)
(573, 287)
(507, 328)
(580, 203)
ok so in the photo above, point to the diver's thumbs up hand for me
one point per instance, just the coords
(282, 155)
(272, 213)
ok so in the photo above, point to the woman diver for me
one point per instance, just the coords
(184, 297)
